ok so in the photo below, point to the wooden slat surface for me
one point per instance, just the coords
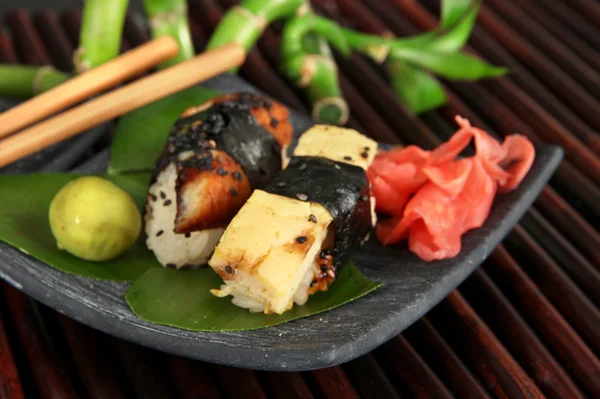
(527, 324)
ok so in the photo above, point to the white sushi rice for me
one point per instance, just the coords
(244, 300)
(173, 249)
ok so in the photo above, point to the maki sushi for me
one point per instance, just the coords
(215, 155)
(290, 238)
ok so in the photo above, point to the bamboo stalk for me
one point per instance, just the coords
(243, 24)
(169, 17)
(310, 65)
(256, 68)
(323, 90)
(322, 87)
(101, 31)
(120, 101)
(27, 81)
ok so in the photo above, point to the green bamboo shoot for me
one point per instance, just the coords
(323, 90)
(27, 81)
(170, 17)
(307, 60)
(101, 32)
(245, 23)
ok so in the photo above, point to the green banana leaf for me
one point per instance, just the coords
(185, 301)
(24, 224)
(141, 135)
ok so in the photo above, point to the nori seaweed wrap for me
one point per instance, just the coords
(215, 155)
(290, 238)
(341, 188)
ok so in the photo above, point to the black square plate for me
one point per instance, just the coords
(411, 286)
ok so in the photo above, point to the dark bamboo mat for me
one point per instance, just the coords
(525, 325)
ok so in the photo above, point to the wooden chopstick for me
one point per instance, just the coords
(121, 101)
(88, 84)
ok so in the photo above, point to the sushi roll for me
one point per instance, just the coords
(215, 155)
(290, 238)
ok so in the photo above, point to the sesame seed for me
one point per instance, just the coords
(153, 197)
(365, 155)
(364, 198)
(301, 239)
(167, 203)
(302, 167)
(313, 283)
(233, 192)
(237, 175)
(228, 269)
(302, 197)
(337, 166)
(163, 195)
(281, 184)
(187, 235)
(367, 148)
(324, 268)
(222, 172)
(312, 218)
(348, 158)
(274, 122)
(330, 273)
(159, 233)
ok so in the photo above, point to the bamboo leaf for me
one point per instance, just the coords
(458, 18)
(454, 10)
(454, 66)
(185, 301)
(141, 135)
(419, 91)
(24, 224)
